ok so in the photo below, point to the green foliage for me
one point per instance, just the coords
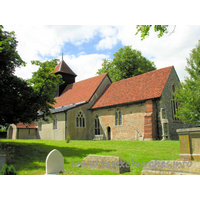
(126, 63)
(9, 57)
(144, 30)
(21, 99)
(16, 93)
(68, 139)
(6, 170)
(45, 83)
(188, 96)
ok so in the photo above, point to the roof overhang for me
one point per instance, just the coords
(64, 108)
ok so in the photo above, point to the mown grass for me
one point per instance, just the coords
(30, 155)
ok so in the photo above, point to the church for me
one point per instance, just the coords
(136, 108)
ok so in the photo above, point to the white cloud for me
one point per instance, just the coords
(85, 66)
(49, 41)
(109, 35)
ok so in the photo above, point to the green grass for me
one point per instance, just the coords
(29, 155)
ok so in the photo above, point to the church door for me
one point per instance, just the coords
(109, 132)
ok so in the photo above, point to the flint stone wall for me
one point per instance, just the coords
(2, 160)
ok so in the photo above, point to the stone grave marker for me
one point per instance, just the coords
(54, 163)
(111, 163)
(2, 160)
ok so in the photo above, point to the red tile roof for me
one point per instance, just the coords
(63, 67)
(146, 86)
(21, 125)
(79, 91)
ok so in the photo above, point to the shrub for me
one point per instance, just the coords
(6, 170)
(68, 139)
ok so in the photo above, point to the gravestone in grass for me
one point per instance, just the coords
(2, 161)
(54, 163)
(111, 163)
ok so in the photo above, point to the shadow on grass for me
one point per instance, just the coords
(27, 155)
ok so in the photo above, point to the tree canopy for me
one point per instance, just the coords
(45, 83)
(22, 99)
(127, 62)
(144, 30)
(188, 95)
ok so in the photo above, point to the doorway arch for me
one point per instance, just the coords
(109, 132)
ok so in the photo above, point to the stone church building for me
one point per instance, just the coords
(137, 108)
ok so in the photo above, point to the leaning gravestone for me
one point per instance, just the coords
(2, 160)
(111, 163)
(54, 163)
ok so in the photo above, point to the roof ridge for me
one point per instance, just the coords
(144, 73)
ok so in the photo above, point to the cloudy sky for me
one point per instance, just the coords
(85, 46)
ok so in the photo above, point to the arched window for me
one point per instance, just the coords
(80, 120)
(174, 105)
(97, 125)
(118, 117)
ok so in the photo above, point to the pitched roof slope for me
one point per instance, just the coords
(80, 91)
(146, 86)
(21, 125)
(63, 67)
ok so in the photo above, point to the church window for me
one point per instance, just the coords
(118, 117)
(54, 123)
(97, 126)
(80, 120)
(174, 105)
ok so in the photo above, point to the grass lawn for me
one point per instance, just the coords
(29, 155)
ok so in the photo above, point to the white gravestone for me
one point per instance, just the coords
(54, 162)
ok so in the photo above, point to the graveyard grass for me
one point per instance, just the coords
(29, 156)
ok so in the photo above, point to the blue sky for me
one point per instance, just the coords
(85, 46)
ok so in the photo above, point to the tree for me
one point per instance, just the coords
(45, 83)
(144, 30)
(13, 90)
(188, 95)
(126, 63)
(22, 99)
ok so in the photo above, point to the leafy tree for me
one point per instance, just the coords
(144, 30)
(188, 95)
(126, 63)
(45, 83)
(21, 99)
(13, 90)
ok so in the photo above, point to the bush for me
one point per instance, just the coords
(68, 139)
(6, 170)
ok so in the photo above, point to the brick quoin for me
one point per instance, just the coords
(149, 124)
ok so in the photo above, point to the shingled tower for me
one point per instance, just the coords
(67, 74)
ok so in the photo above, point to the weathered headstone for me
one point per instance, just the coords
(2, 160)
(54, 162)
(111, 163)
(189, 140)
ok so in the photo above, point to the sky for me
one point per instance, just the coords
(85, 46)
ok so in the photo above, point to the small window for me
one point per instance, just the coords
(97, 126)
(54, 124)
(118, 117)
(80, 120)
(174, 105)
